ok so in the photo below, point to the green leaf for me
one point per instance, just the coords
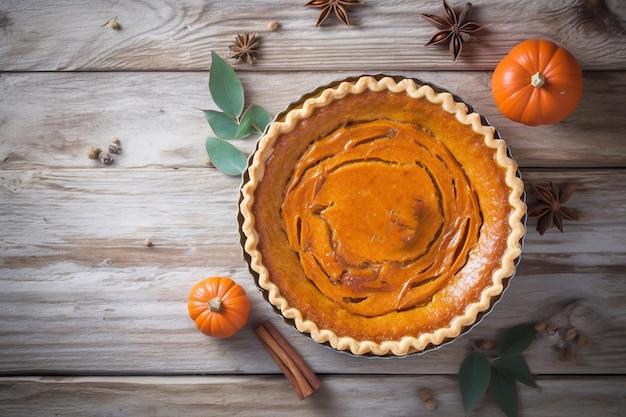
(244, 129)
(513, 341)
(516, 368)
(504, 391)
(225, 157)
(474, 376)
(254, 119)
(224, 125)
(225, 87)
(258, 116)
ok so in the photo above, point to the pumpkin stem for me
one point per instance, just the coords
(215, 304)
(537, 80)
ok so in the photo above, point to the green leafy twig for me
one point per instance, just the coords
(498, 372)
(232, 122)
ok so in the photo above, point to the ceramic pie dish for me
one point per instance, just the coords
(382, 215)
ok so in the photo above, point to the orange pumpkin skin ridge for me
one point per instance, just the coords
(234, 307)
(520, 101)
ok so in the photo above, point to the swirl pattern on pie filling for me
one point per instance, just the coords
(381, 215)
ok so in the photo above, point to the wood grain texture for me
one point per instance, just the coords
(186, 209)
(52, 119)
(385, 36)
(73, 249)
(94, 323)
(271, 396)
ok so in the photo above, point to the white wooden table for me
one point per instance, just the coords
(94, 322)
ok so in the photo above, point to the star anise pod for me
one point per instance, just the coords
(452, 29)
(245, 47)
(337, 6)
(550, 208)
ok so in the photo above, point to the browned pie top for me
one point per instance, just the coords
(382, 217)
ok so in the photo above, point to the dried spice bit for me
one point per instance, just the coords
(114, 148)
(115, 140)
(583, 341)
(551, 329)
(571, 333)
(452, 29)
(147, 242)
(244, 48)
(425, 394)
(550, 209)
(94, 152)
(540, 327)
(105, 158)
(566, 353)
(273, 26)
(336, 6)
(486, 344)
(430, 404)
(553, 339)
(113, 24)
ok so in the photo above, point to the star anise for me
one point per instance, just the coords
(245, 47)
(550, 209)
(452, 29)
(337, 6)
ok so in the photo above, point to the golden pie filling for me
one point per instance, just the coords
(382, 217)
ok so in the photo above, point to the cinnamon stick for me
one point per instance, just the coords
(307, 372)
(296, 370)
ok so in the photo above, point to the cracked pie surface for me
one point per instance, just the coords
(382, 217)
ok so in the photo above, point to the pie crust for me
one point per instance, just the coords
(382, 217)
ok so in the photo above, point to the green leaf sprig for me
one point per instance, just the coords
(498, 372)
(232, 122)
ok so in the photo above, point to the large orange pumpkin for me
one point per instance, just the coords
(537, 83)
(219, 306)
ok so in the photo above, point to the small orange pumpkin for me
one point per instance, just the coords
(537, 83)
(219, 306)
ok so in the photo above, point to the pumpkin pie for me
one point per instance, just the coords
(382, 216)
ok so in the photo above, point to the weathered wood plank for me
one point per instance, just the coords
(44, 212)
(389, 36)
(72, 249)
(51, 119)
(271, 396)
(134, 320)
(81, 295)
